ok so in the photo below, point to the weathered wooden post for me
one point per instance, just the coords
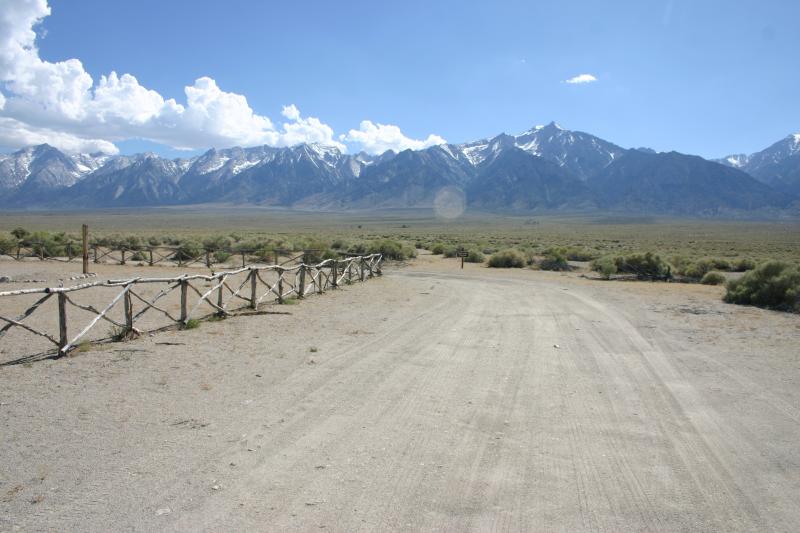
(301, 291)
(243, 263)
(280, 285)
(122, 261)
(350, 271)
(253, 289)
(333, 272)
(369, 266)
(94, 247)
(150, 260)
(62, 320)
(18, 247)
(208, 259)
(378, 266)
(220, 295)
(361, 267)
(184, 295)
(41, 251)
(128, 314)
(85, 247)
(320, 283)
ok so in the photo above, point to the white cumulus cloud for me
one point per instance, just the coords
(60, 103)
(581, 78)
(377, 138)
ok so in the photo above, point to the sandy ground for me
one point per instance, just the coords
(429, 399)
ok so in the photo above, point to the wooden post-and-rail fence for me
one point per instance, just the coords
(249, 285)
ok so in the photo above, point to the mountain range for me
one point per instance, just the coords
(544, 168)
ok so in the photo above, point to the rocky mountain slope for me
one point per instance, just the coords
(546, 167)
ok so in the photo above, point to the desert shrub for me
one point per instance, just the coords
(139, 256)
(188, 250)
(774, 285)
(392, 249)
(437, 249)
(572, 254)
(743, 265)
(7, 244)
(644, 266)
(217, 243)
(153, 241)
(220, 256)
(698, 269)
(19, 233)
(338, 244)
(507, 259)
(605, 266)
(450, 251)
(474, 256)
(554, 260)
(713, 278)
(722, 265)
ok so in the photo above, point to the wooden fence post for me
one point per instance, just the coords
(277, 257)
(280, 285)
(184, 295)
(301, 291)
(122, 261)
(85, 247)
(253, 289)
(320, 282)
(220, 295)
(208, 259)
(333, 271)
(62, 320)
(350, 272)
(378, 266)
(243, 260)
(18, 247)
(361, 267)
(69, 251)
(41, 251)
(150, 261)
(128, 314)
(95, 252)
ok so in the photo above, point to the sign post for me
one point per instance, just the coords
(462, 254)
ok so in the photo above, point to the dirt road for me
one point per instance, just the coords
(429, 399)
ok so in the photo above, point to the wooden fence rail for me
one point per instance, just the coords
(225, 293)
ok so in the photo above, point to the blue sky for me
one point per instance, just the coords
(703, 77)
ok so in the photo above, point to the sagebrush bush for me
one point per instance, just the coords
(773, 285)
(507, 259)
(743, 265)
(713, 278)
(392, 249)
(554, 260)
(437, 249)
(605, 266)
(474, 256)
(644, 266)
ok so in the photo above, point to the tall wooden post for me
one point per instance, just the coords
(85, 247)
(150, 261)
(301, 291)
(62, 320)
(334, 273)
(280, 285)
(220, 295)
(128, 314)
(361, 266)
(253, 289)
(184, 295)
